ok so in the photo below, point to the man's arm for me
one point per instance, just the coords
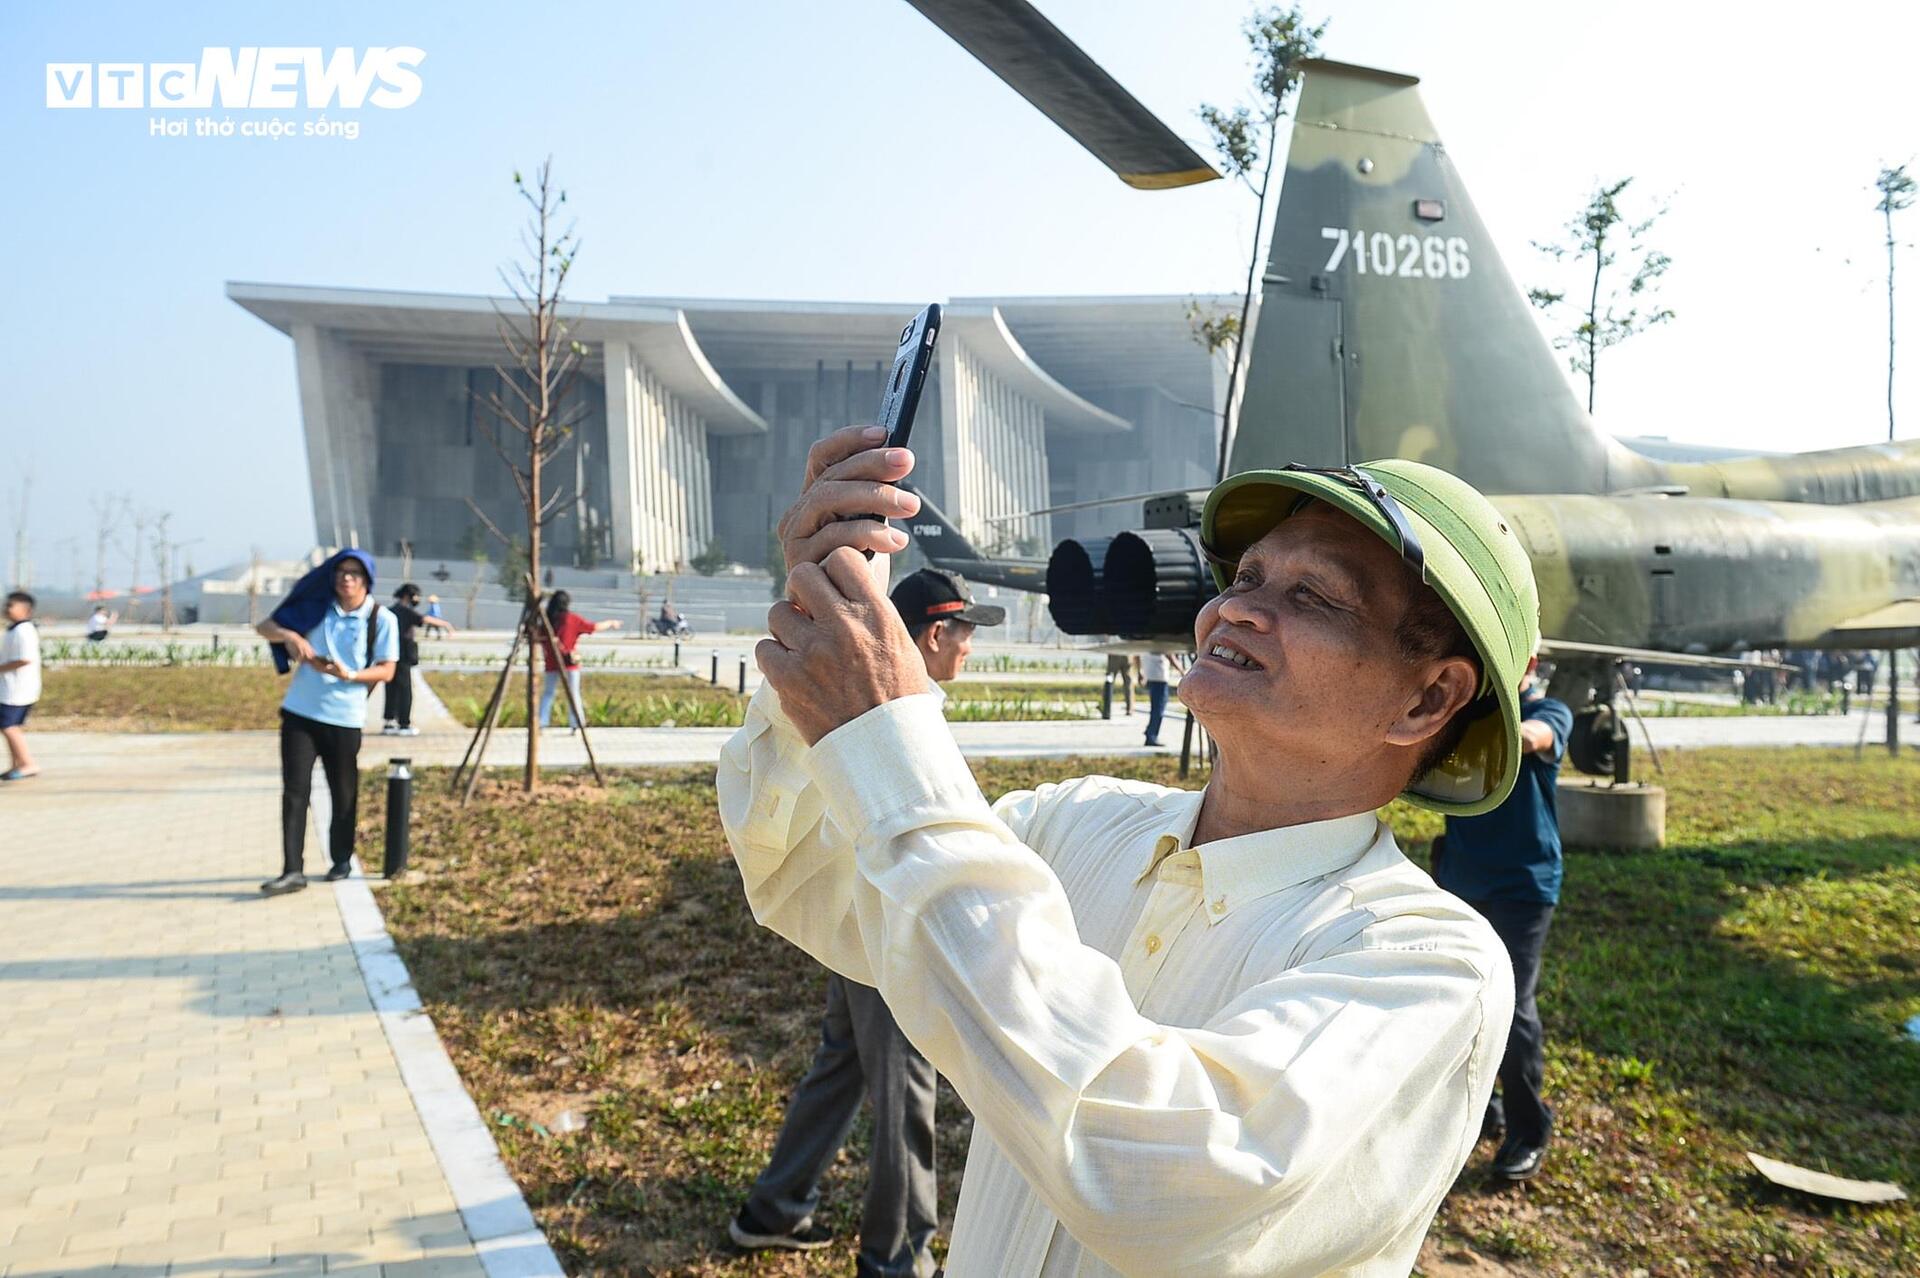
(1322, 1111)
(296, 643)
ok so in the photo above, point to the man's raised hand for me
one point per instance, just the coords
(839, 648)
(848, 475)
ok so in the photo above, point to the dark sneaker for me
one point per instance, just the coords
(340, 871)
(749, 1234)
(284, 884)
(1518, 1160)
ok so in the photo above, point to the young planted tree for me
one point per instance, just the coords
(1602, 236)
(1246, 138)
(531, 414)
(1896, 189)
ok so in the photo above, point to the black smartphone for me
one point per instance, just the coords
(912, 360)
(908, 377)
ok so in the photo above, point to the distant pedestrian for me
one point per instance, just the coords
(433, 606)
(1153, 673)
(397, 715)
(340, 644)
(19, 683)
(1506, 864)
(568, 627)
(99, 622)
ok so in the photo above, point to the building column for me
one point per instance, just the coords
(622, 453)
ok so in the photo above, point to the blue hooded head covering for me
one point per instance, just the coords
(309, 600)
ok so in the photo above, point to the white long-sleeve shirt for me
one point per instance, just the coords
(1265, 1055)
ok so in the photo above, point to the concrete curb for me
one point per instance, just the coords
(506, 1237)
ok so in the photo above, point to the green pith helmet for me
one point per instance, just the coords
(1473, 562)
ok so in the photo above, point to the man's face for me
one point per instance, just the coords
(1312, 675)
(945, 646)
(350, 584)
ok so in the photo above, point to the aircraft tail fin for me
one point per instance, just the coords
(945, 546)
(1388, 325)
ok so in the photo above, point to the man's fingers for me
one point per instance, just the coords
(851, 577)
(832, 499)
(843, 443)
(858, 534)
(884, 464)
(787, 624)
(812, 591)
(775, 662)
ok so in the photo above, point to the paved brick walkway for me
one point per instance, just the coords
(197, 1082)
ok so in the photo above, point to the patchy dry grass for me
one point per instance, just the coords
(588, 952)
(159, 699)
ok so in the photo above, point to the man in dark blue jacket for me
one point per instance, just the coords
(1506, 865)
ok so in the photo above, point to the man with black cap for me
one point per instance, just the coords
(862, 1050)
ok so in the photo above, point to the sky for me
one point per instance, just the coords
(846, 150)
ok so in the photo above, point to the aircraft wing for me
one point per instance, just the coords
(1897, 625)
(945, 546)
(1567, 649)
(1018, 44)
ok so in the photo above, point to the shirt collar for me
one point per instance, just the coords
(1242, 869)
(363, 611)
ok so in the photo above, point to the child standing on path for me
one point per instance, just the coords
(19, 683)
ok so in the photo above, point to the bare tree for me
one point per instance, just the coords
(1246, 139)
(106, 517)
(530, 412)
(1896, 189)
(1603, 233)
(163, 565)
(141, 520)
(22, 561)
(253, 584)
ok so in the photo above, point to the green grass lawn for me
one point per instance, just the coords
(123, 698)
(655, 701)
(588, 952)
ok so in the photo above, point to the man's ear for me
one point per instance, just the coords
(1449, 685)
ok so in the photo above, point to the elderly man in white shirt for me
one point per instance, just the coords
(1232, 1032)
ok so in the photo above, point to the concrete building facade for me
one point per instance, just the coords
(691, 418)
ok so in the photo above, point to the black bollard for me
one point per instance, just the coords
(676, 654)
(216, 641)
(713, 676)
(399, 815)
(743, 676)
(1106, 699)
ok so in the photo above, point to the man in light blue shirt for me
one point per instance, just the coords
(339, 658)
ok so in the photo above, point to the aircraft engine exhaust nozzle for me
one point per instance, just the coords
(1156, 581)
(1142, 584)
(1074, 589)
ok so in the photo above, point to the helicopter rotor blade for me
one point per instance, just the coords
(1018, 44)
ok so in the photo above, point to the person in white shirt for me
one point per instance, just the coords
(19, 684)
(1232, 1032)
(99, 622)
(1153, 673)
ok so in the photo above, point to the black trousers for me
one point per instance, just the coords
(302, 740)
(399, 705)
(1522, 928)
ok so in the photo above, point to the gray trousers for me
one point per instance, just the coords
(862, 1052)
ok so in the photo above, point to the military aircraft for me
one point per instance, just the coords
(1387, 326)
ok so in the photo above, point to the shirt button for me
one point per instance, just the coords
(1153, 944)
(1219, 905)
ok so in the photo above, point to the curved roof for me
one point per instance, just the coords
(454, 328)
